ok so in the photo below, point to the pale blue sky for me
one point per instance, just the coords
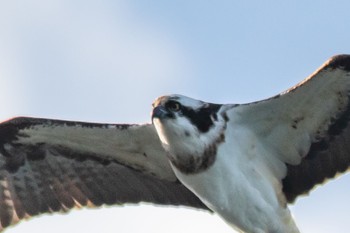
(106, 61)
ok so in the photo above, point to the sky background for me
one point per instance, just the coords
(106, 61)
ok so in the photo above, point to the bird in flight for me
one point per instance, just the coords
(245, 162)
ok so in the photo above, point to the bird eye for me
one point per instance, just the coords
(173, 106)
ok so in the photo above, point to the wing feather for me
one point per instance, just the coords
(53, 166)
(319, 165)
(305, 129)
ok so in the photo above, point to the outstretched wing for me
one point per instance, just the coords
(305, 129)
(52, 165)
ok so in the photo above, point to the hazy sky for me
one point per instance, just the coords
(106, 61)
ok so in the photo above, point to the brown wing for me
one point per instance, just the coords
(53, 166)
(327, 157)
(329, 154)
(305, 130)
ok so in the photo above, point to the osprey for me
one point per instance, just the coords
(245, 162)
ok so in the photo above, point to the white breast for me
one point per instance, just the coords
(240, 188)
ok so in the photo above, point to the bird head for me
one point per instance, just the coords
(187, 128)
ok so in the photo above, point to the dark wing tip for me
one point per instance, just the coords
(341, 61)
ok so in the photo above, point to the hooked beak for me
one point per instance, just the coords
(160, 112)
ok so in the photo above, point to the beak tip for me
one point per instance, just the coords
(159, 112)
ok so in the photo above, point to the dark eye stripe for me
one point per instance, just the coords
(202, 118)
